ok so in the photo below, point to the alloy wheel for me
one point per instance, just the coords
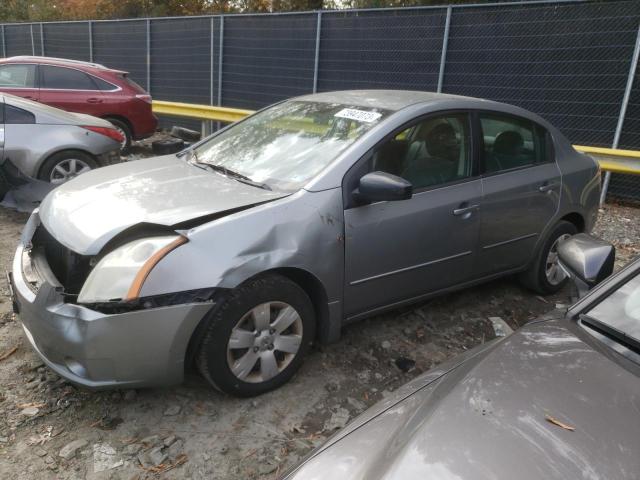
(264, 342)
(68, 169)
(554, 273)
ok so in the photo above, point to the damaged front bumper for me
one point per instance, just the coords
(144, 347)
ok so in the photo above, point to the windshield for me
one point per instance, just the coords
(286, 145)
(620, 311)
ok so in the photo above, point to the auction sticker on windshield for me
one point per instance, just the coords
(358, 115)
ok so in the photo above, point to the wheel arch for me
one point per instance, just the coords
(50, 154)
(312, 286)
(577, 219)
(574, 217)
(121, 118)
(317, 294)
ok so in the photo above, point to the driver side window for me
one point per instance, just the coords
(432, 152)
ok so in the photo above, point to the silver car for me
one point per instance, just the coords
(558, 399)
(50, 144)
(240, 252)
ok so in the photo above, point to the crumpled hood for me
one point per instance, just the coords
(486, 419)
(88, 211)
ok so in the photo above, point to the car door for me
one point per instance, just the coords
(398, 250)
(521, 183)
(21, 134)
(69, 89)
(19, 79)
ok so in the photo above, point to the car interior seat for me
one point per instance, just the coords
(433, 156)
(507, 151)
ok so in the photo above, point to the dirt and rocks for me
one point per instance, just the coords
(50, 429)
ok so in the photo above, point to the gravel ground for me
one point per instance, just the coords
(50, 429)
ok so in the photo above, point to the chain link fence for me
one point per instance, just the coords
(567, 60)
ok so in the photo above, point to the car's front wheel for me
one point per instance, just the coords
(545, 275)
(256, 340)
(63, 166)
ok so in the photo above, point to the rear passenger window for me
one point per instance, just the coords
(17, 115)
(61, 78)
(511, 142)
(104, 86)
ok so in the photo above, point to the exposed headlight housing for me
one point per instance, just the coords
(120, 274)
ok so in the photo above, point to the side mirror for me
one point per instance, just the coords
(587, 260)
(382, 186)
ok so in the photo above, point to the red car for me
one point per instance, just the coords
(82, 87)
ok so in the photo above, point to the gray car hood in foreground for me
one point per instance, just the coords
(486, 419)
(87, 212)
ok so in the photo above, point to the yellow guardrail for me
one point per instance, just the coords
(202, 112)
(613, 159)
(610, 160)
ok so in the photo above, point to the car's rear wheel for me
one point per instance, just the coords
(545, 275)
(63, 166)
(257, 339)
(125, 131)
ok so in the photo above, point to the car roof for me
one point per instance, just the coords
(55, 61)
(393, 99)
(396, 100)
(47, 114)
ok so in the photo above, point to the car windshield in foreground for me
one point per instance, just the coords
(618, 316)
(286, 145)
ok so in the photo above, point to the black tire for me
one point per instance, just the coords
(125, 130)
(5, 186)
(48, 171)
(212, 357)
(168, 146)
(185, 134)
(535, 278)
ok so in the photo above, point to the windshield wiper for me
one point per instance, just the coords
(235, 175)
(614, 334)
(228, 172)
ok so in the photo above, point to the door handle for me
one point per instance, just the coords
(547, 187)
(94, 100)
(29, 97)
(464, 210)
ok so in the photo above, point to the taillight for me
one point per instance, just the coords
(112, 133)
(145, 97)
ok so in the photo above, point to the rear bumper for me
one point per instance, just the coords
(142, 119)
(97, 350)
(146, 128)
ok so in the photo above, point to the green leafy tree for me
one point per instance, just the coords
(49, 10)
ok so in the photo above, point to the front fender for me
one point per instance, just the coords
(303, 231)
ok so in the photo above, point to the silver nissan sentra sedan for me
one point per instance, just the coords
(241, 251)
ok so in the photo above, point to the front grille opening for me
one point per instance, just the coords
(69, 268)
